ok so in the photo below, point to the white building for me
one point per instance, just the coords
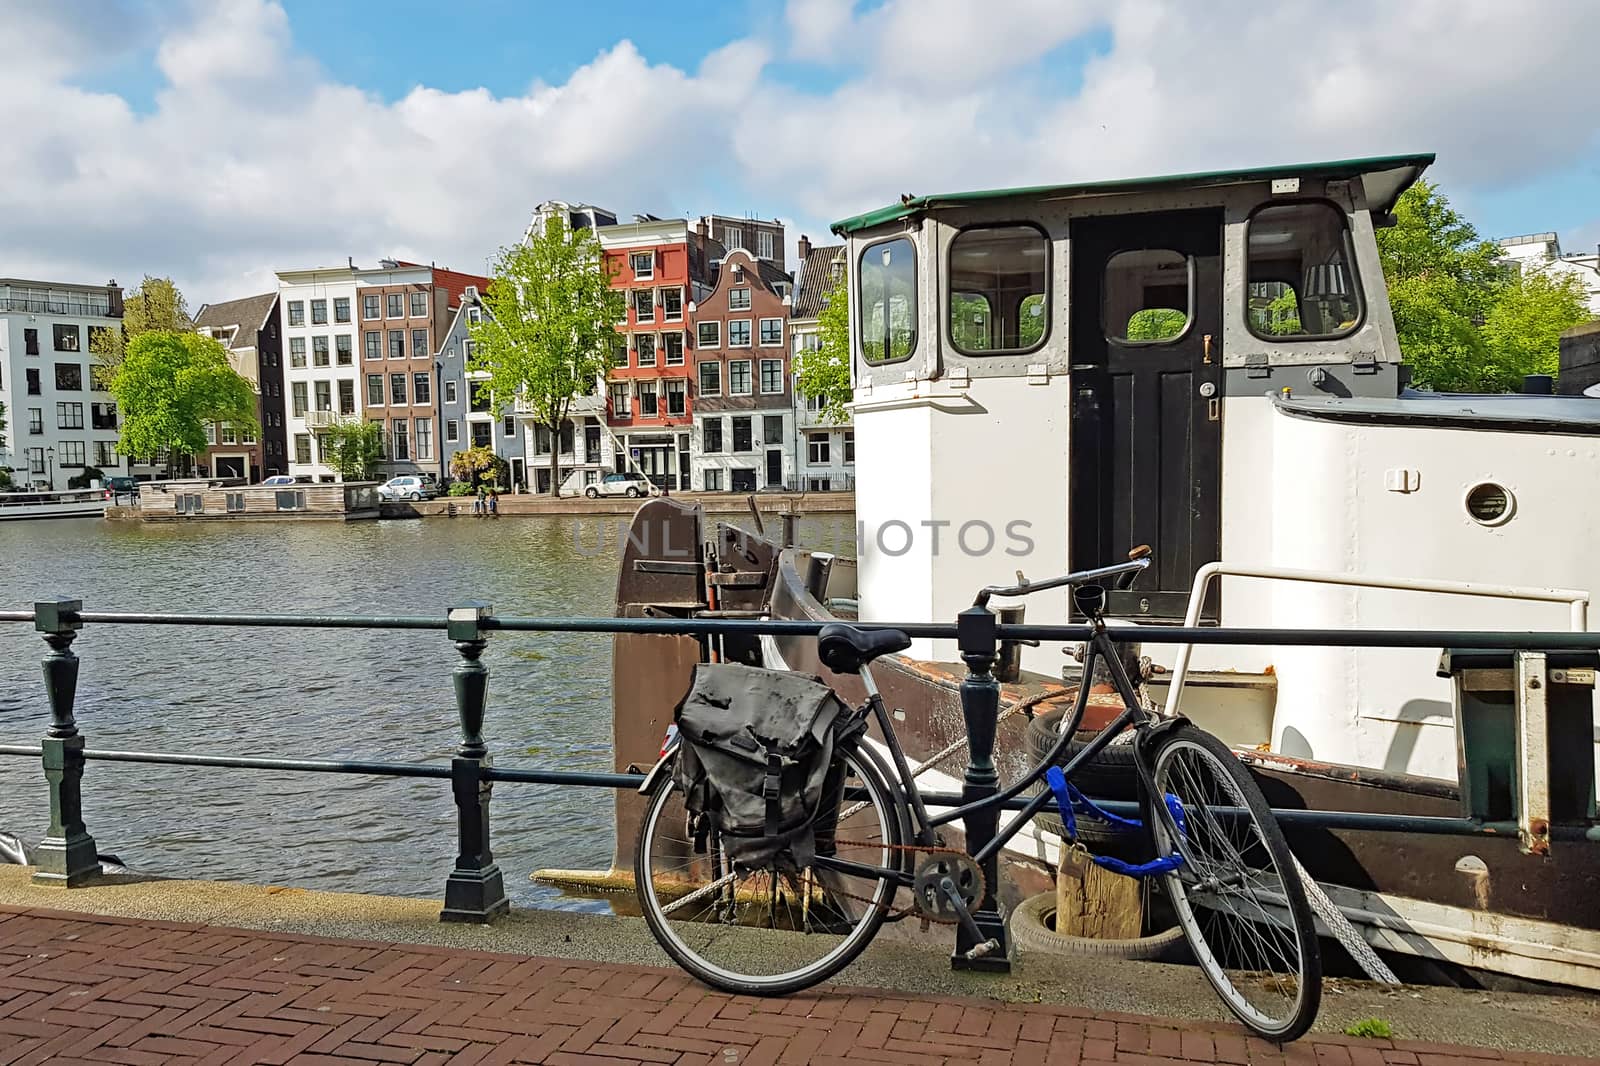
(1542, 251)
(320, 373)
(825, 449)
(59, 422)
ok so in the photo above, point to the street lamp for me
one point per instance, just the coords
(50, 454)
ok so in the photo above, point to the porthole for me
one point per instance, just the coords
(1489, 503)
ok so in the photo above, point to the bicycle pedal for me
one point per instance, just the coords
(983, 950)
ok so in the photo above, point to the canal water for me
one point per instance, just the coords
(326, 694)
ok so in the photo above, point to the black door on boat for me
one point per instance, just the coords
(1146, 337)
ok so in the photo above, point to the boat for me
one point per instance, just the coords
(80, 503)
(1205, 363)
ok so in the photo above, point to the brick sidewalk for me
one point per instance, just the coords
(82, 988)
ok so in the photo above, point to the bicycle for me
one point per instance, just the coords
(1220, 857)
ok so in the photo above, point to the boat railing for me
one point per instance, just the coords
(34, 499)
(474, 890)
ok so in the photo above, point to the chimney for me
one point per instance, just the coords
(805, 249)
(351, 260)
(114, 298)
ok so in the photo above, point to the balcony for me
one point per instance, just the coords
(87, 309)
(320, 419)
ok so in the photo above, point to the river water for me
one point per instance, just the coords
(326, 694)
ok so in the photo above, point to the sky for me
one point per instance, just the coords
(215, 141)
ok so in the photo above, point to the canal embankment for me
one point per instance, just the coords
(715, 503)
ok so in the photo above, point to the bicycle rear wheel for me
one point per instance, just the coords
(768, 932)
(1237, 894)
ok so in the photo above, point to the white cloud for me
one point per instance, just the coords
(255, 158)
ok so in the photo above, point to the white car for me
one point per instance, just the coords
(406, 488)
(279, 479)
(629, 484)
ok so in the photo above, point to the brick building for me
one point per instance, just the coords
(248, 330)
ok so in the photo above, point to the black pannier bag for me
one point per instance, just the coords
(761, 756)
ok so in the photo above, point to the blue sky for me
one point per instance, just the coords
(218, 140)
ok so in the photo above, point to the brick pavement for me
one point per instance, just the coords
(82, 988)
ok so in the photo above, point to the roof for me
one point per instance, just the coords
(249, 314)
(813, 280)
(452, 281)
(1385, 178)
(1511, 411)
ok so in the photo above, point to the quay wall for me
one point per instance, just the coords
(712, 502)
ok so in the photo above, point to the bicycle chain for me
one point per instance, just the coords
(893, 915)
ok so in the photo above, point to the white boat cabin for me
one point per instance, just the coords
(1207, 364)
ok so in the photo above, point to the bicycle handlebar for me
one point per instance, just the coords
(1138, 561)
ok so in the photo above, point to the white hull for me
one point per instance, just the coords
(22, 512)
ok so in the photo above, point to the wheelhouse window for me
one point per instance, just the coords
(1301, 281)
(997, 289)
(1148, 295)
(888, 290)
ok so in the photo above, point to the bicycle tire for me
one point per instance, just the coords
(720, 975)
(1204, 904)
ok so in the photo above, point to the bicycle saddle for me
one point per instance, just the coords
(846, 649)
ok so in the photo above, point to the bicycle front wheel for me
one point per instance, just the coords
(769, 931)
(1237, 894)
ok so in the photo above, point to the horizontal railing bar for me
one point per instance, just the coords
(564, 777)
(21, 749)
(300, 621)
(1476, 639)
(706, 626)
(241, 762)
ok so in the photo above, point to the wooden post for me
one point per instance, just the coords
(1094, 902)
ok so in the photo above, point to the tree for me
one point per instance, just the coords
(169, 386)
(1464, 324)
(473, 465)
(155, 306)
(1156, 324)
(550, 330)
(353, 447)
(824, 372)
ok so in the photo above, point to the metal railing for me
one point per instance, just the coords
(474, 889)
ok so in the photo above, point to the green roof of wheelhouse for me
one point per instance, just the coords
(1384, 178)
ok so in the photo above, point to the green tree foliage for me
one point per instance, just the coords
(1156, 324)
(551, 326)
(353, 447)
(824, 372)
(169, 386)
(475, 466)
(155, 306)
(1464, 324)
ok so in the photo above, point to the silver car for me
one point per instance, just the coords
(406, 487)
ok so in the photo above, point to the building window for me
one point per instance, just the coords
(419, 305)
(739, 299)
(69, 377)
(71, 454)
(450, 392)
(69, 416)
(105, 453)
(36, 420)
(771, 376)
(67, 337)
(764, 244)
(643, 264)
(30, 341)
(677, 397)
(541, 440)
(849, 445)
(247, 436)
(619, 401)
(817, 449)
(402, 440)
(452, 431)
(341, 345)
(741, 434)
(711, 379)
(474, 314)
(211, 433)
(672, 305)
(713, 481)
(397, 389)
(424, 439)
(397, 344)
(103, 415)
(371, 306)
(297, 398)
(733, 237)
(772, 429)
(644, 305)
(341, 309)
(226, 435)
(36, 460)
(374, 344)
(711, 436)
(508, 426)
(297, 312)
(234, 502)
(397, 305)
(647, 399)
(319, 312)
(619, 354)
(347, 396)
(646, 344)
(709, 334)
(324, 394)
(297, 351)
(419, 342)
(772, 333)
(319, 351)
(739, 333)
(302, 447)
(421, 388)
(33, 381)
(374, 390)
(674, 344)
(739, 377)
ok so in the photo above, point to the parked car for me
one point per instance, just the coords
(628, 484)
(407, 487)
(279, 479)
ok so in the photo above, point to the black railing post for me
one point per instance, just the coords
(67, 855)
(475, 891)
(977, 638)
